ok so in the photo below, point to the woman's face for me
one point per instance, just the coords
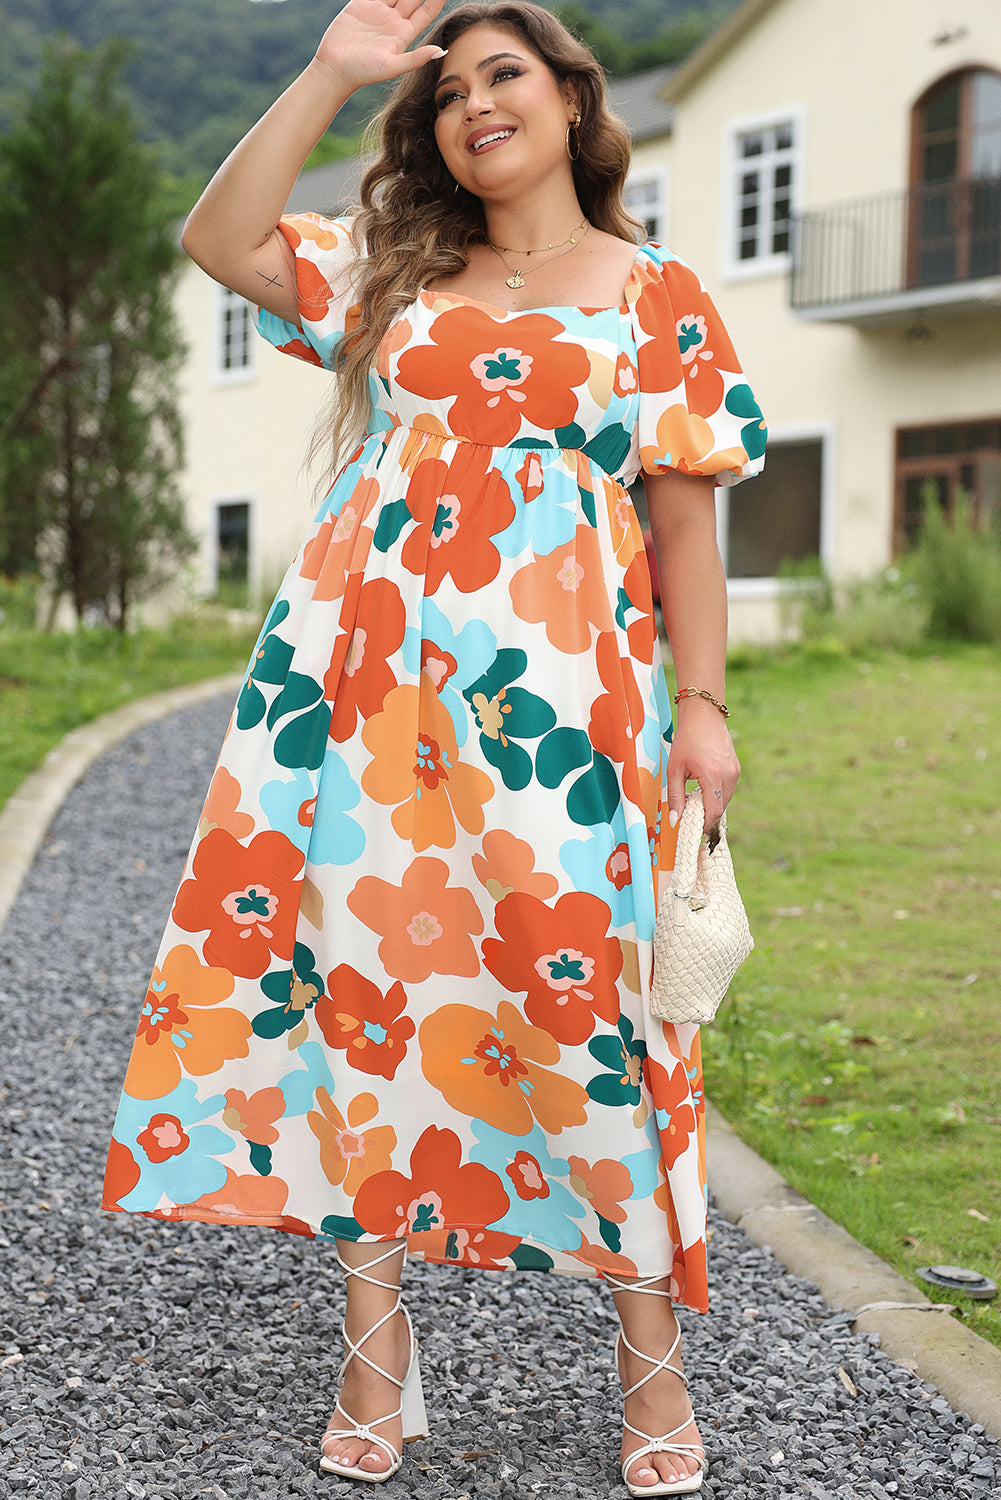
(501, 114)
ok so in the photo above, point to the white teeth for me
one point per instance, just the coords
(499, 135)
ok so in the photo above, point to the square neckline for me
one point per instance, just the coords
(547, 307)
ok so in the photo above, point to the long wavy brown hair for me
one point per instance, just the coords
(414, 224)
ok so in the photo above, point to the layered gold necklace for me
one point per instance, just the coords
(517, 277)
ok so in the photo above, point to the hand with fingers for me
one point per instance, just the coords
(368, 41)
(701, 751)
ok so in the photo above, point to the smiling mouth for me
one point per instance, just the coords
(490, 140)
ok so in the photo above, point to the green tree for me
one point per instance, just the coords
(89, 346)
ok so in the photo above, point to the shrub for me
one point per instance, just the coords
(957, 570)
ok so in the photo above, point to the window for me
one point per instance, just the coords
(957, 459)
(765, 184)
(232, 538)
(235, 337)
(646, 200)
(776, 517)
(954, 228)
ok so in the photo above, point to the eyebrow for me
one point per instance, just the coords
(486, 63)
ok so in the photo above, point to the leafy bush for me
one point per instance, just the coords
(957, 569)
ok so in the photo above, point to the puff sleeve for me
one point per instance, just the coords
(326, 259)
(697, 414)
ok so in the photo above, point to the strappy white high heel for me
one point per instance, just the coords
(666, 1443)
(411, 1404)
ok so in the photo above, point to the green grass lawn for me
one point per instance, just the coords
(860, 1048)
(49, 684)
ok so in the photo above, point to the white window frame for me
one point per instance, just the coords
(225, 304)
(770, 587)
(216, 502)
(732, 267)
(656, 177)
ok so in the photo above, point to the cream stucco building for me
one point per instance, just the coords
(832, 169)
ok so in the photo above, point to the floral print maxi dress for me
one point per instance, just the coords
(403, 987)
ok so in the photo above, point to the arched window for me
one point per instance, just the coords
(955, 220)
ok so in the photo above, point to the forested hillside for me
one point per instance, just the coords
(203, 70)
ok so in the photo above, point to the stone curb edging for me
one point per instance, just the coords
(25, 819)
(964, 1367)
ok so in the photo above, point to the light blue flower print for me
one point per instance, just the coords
(300, 1086)
(175, 1153)
(473, 649)
(542, 1209)
(550, 520)
(642, 1165)
(586, 861)
(333, 838)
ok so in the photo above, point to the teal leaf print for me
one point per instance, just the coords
(341, 1227)
(501, 366)
(292, 992)
(529, 1258)
(610, 1233)
(689, 335)
(609, 448)
(622, 1057)
(260, 1158)
(562, 751)
(594, 797)
(741, 403)
(392, 520)
(505, 714)
(571, 436)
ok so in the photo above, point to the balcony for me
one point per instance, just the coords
(928, 251)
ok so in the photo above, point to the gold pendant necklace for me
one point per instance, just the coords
(517, 277)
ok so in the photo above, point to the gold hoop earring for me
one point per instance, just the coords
(575, 127)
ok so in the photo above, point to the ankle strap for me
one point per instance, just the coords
(639, 1284)
(377, 1260)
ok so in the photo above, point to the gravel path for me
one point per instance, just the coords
(141, 1359)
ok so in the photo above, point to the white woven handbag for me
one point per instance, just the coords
(701, 936)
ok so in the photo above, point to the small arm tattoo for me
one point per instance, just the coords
(271, 280)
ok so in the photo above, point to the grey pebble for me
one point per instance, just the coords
(193, 1374)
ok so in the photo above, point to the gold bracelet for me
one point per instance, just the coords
(694, 692)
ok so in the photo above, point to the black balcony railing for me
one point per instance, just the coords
(936, 235)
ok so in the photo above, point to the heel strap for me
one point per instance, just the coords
(656, 1365)
(377, 1260)
(642, 1284)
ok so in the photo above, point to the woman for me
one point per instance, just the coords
(401, 998)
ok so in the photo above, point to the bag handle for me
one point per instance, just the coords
(686, 858)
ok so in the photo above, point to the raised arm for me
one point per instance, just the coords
(693, 597)
(231, 231)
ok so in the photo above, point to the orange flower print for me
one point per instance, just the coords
(250, 1199)
(501, 371)
(491, 1067)
(604, 1259)
(672, 1099)
(686, 442)
(565, 591)
(606, 1185)
(458, 506)
(120, 1176)
(530, 476)
(561, 957)
(220, 810)
(625, 382)
(341, 543)
(247, 898)
(415, 769)
(438, 1193)
(527, 1177)
(163, 1138)
(438, 664)
(487, 1249)
(359, 675)
(183, 1028)
(254, 1118)
(368, 1026)
(508, 864)
(348, 1152)
(641, 629)
(396, 337)
(611, 731)
(424, 923)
